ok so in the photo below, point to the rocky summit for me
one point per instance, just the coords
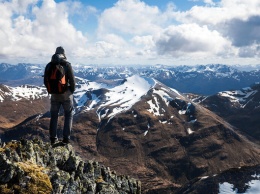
(32, 166)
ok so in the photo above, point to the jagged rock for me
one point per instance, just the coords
(7, 170)
(35, 167)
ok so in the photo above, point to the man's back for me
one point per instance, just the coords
(64, 100)
(69, 75)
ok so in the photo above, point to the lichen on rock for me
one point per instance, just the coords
(36, 167)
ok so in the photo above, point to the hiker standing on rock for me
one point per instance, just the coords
(60, 83)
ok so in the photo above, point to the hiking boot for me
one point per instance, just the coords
(65, 141)
(54, 141)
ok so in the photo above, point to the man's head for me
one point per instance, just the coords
(60, 50)
(60, 53)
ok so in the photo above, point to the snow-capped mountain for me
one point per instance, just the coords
(21, 74)
(136, 123)
(19, 103)
(200, 79)
(113, 100)
(28, 92)
(241, 108)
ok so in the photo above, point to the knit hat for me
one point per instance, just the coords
(60, 50)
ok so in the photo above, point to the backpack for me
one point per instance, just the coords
(55, 76)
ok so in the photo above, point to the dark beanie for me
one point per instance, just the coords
(60, 50)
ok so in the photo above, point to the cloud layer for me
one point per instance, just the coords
(131, 32)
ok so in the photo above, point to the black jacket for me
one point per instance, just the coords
(60, 58)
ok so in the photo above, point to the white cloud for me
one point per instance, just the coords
(192, 40)
(222, 12)
(131, 29)
(198, 32)
(209, 2)
(35, 38)
(130, 17)
(144, 46)
(21, 7)
(143, 41)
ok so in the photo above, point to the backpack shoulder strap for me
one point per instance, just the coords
(65, 66)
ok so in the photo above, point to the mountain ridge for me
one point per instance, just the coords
(199, 79)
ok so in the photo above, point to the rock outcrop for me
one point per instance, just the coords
(37, 167)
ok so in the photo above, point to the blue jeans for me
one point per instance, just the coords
(56, 103)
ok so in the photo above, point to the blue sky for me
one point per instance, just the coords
(162, 4)
(123, 32)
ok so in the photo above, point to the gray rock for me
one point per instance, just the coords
(35, 167)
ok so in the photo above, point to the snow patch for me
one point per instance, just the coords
(122, 97)
(227, 188)
(155, 107)
(163, 122)
(239, 96)
(24, 92)
(190, 131)
(182, 112)
(80, 94)
(193, 121)
(163, 96)
(1, 98)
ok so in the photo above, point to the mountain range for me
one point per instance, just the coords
(131, 120)
(200, 79)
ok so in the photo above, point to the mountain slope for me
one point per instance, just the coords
(19, 103)
(239, 107)
(169, 145)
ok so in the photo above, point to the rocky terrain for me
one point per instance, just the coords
(32, 167)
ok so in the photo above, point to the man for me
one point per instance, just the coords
(65, 99)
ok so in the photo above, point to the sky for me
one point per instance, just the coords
(131, 32)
